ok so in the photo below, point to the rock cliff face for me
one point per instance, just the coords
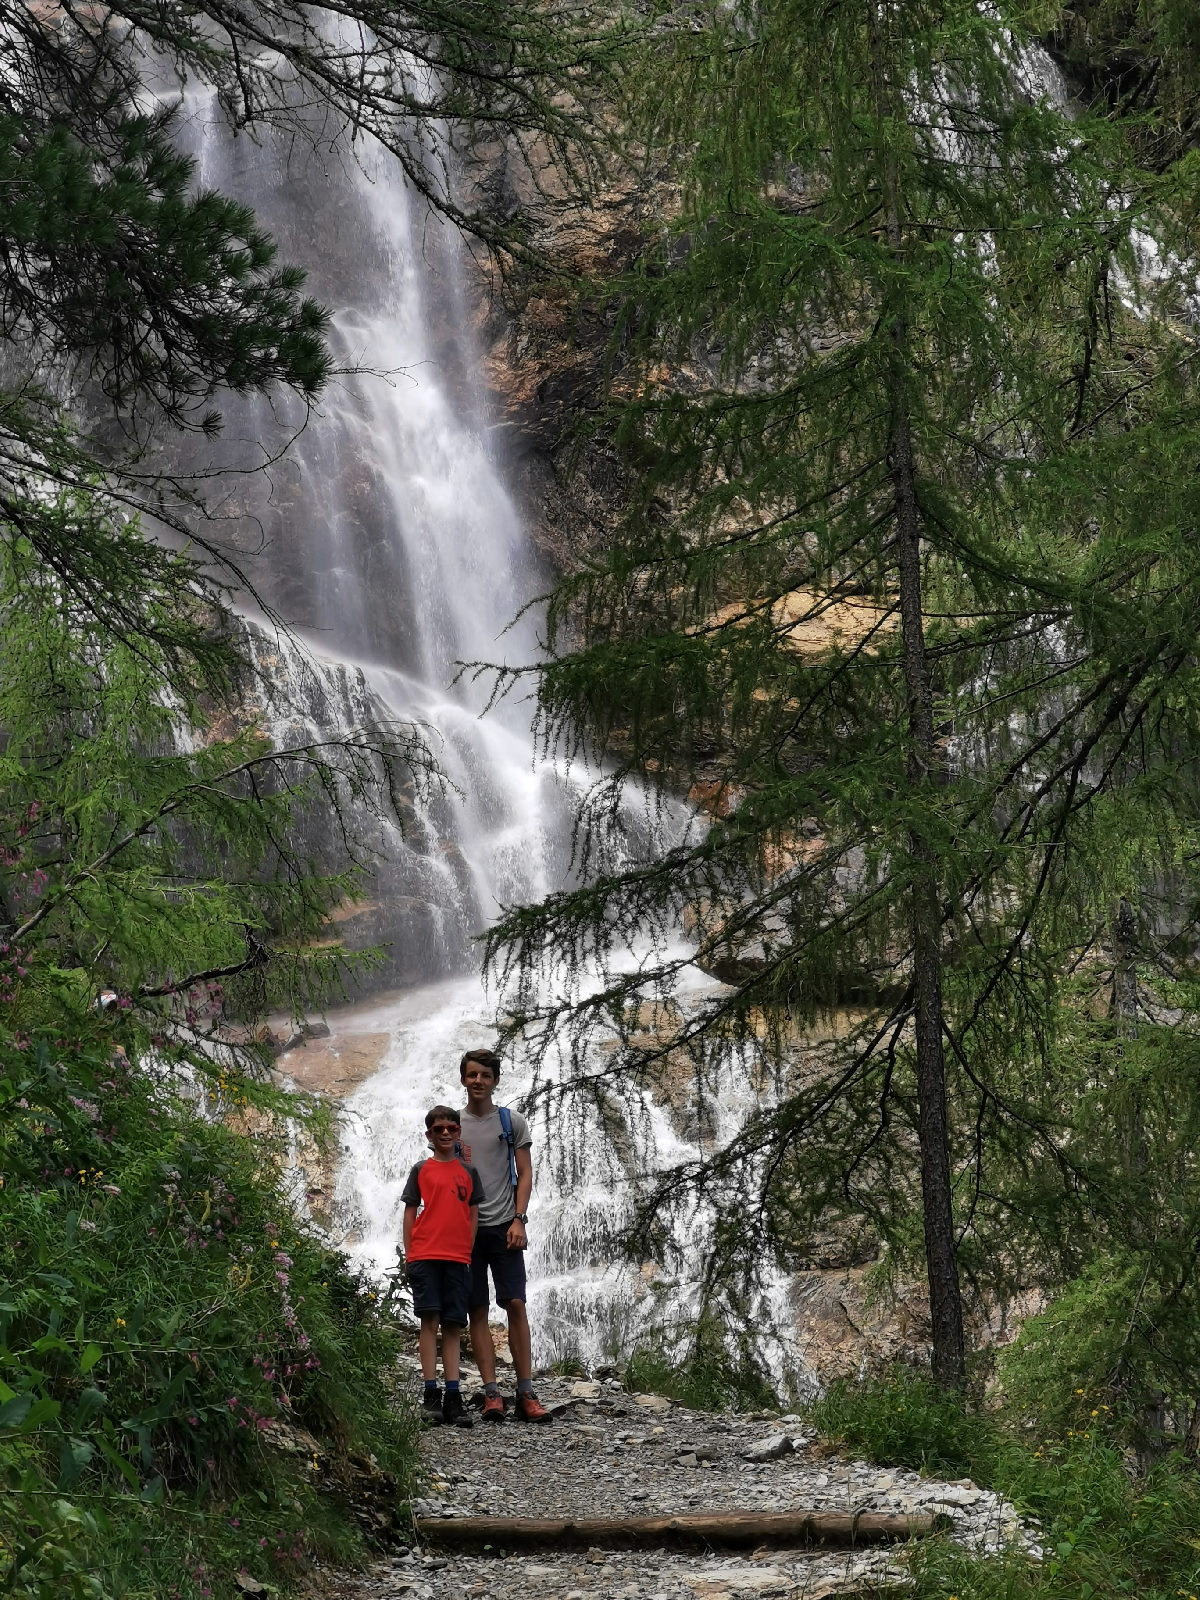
(546, 348)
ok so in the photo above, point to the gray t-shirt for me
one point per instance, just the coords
(485, 1148)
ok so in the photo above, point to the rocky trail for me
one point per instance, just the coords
(611, 1453)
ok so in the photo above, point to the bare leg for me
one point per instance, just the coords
(481, 1344)
(427, 1345)
(520, 1346)
(451, 1340)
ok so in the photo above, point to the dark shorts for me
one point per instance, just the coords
(441, 1287)
(507, 1268)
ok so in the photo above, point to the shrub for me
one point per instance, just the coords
(904, 1419)
(166, 1324)
(702, 1368)
(1104, 1530)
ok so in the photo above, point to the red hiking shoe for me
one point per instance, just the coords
(530, 1409)
(493, 1408)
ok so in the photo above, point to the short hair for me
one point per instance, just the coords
(483, 1058)
(442, 1111)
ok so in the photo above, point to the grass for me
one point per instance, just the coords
(701, 1371)
(1105, 1531)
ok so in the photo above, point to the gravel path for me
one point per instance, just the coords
(608, 1452)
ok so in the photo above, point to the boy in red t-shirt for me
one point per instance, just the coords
(437, 1251)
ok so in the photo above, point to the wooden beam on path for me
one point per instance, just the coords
(735, 1528)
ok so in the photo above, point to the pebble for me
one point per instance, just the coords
(513, 1470)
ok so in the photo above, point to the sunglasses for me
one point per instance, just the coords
(445, 1127)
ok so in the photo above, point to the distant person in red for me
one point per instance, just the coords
(441, 1215)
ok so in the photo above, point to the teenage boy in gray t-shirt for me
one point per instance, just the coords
(500, 1241)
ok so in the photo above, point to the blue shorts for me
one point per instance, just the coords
(507, 1268)
(440, 1288)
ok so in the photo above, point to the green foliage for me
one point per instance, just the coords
(701, 1368)
(130, 299)
(1138, 59)
(1081, 1348)
(907, 1420)
(196, 305)
(141, 853)
(889, 242)
(1105, 1529)
(166, 1325)
(185, 1368)
(1104, 1532)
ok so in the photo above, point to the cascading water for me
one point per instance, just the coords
(390, 544)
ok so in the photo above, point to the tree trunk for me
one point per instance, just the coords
(1124, 1005)
(925, 769)
(945, 1297)
(744, 1529)
(1123, 1001)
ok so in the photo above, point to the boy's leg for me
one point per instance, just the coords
(427, 1345)
(431, 1400)
(451, 1345)
(456, 1292)
(483, 1346)
(509, 1272)
(520, 1344)
(425, 1282)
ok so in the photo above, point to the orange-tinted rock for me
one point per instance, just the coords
(336, 1065)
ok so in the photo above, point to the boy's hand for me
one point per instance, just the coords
(516, 1239)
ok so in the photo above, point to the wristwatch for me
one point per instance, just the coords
(522, 1217)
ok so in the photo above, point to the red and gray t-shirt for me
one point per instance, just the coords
(445, 1191)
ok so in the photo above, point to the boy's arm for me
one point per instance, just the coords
(411, 1196)
(476, 1197)
(516, 1230)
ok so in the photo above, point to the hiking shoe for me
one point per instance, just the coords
(431, 1407)
(529, 1408)
(493, 1408)
(454, 1413)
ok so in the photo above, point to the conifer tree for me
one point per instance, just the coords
(907, 597)
(130, 298)
(146, 852)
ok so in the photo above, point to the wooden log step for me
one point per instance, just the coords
(735, 1528)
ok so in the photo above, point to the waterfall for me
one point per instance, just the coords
(386, 538)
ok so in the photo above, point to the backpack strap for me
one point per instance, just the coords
(506, 1133)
